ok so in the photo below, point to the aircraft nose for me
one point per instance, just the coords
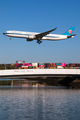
(3, 33)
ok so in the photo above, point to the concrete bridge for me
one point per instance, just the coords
(30, 73)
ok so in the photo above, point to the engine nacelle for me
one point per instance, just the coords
(28, 39)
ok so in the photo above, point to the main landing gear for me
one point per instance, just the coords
(38, 41)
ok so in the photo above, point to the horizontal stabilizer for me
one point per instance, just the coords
(71, 36)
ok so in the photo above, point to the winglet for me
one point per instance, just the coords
(50, 30)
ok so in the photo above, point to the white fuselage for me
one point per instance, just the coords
(31, 35)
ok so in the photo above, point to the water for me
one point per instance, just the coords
(41, 103)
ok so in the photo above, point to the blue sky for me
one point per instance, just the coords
(39, 16)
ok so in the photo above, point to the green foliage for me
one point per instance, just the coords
(5, 66)
(2, 66)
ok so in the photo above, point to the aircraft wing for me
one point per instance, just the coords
(39, 36)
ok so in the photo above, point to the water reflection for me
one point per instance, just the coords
(55, 82)
(39, 104)
(21, 82)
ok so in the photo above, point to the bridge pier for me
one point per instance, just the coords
(12, 82)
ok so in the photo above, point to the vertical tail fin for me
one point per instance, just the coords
(69, 32)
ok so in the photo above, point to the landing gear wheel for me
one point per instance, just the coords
(38, 41)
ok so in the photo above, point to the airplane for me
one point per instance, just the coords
(30, 36)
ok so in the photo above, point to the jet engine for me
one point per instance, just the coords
(28, 39)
